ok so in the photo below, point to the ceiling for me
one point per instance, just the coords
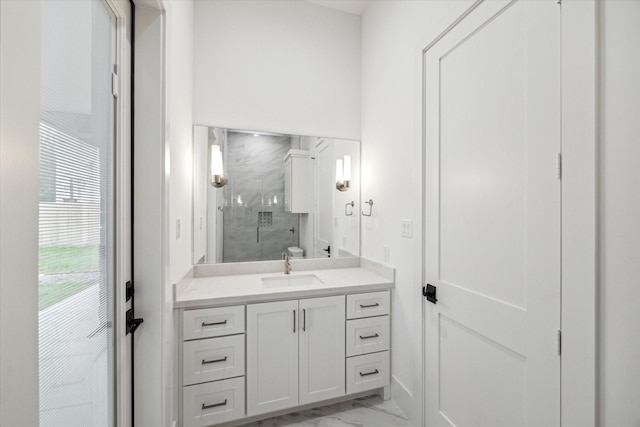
(355, 7)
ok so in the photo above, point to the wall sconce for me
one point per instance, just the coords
(343, 173)
(217, 176)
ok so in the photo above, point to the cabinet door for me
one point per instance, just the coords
(272, 356)
(322, 348)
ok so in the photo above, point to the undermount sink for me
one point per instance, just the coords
(298, 280)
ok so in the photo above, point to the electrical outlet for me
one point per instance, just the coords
(387, 253)
(177, 228)
(406, 228)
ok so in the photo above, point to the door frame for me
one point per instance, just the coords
(122, 10)
(579, 97)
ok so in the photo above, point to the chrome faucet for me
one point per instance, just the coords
(287, 263)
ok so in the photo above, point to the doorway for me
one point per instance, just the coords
(84, 220)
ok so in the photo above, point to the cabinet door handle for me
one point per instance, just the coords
(369, 336)
(294, 321)
(206, 362)
(224, 322)
(375, 304)
(375, 371)
(304, 319)
(214, 405)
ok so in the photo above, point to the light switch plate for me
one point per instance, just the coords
(406, 227)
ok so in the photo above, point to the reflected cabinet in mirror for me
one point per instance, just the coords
(257, 195)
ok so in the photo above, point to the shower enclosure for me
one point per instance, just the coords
(255, 224)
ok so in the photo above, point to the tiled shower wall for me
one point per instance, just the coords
(255, 168)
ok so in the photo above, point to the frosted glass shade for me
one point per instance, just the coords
(347, 168)
(216, 160)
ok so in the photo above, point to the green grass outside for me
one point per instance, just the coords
(68, 259)
(51, 294)
(58, 260)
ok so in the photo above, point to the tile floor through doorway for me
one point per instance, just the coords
(370, 411)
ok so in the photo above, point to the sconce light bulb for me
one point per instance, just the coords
(217, 176)
(347, 168)
(342, 182)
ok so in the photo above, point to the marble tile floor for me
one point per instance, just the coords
(371, 411)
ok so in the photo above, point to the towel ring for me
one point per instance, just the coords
(370, 203)
(346, 207)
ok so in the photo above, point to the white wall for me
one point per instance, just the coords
(163, 180)
(179, 134)
(620, 214)
(393, 36)
(150, 219)
(19, 165)
(180, 131)
(281, 66)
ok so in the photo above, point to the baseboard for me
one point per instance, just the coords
(405, 400)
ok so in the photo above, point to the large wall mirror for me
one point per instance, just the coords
(257, 195)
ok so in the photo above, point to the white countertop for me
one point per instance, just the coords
(226, 289)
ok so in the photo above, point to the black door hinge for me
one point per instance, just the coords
(129, 290)
(429, 292)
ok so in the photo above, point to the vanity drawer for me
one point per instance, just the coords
(367, 335)
(367, 372)
(213, 359)
(213, 403)
(367, 305)
(213, 322)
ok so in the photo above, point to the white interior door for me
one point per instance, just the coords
(492, 116)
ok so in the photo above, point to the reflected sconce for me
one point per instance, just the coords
(217, 176)
(343, 173)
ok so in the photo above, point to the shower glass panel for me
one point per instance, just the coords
(256, 226)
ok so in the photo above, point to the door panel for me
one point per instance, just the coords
(492, 102)
(79, 226)
(322, 349)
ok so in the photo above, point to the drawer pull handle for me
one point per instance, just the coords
(369, 336)
(224, 322)
(205, 362)
(375, 371)
(375, 304)
(214, 405)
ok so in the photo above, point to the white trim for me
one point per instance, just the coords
(153, 345)
(20, 44)
(579, 220)
(122, 347)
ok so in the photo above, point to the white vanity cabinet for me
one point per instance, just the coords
(298, 185)
(213, 365)
(295, 353)
(244, 361)
(368, 341)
